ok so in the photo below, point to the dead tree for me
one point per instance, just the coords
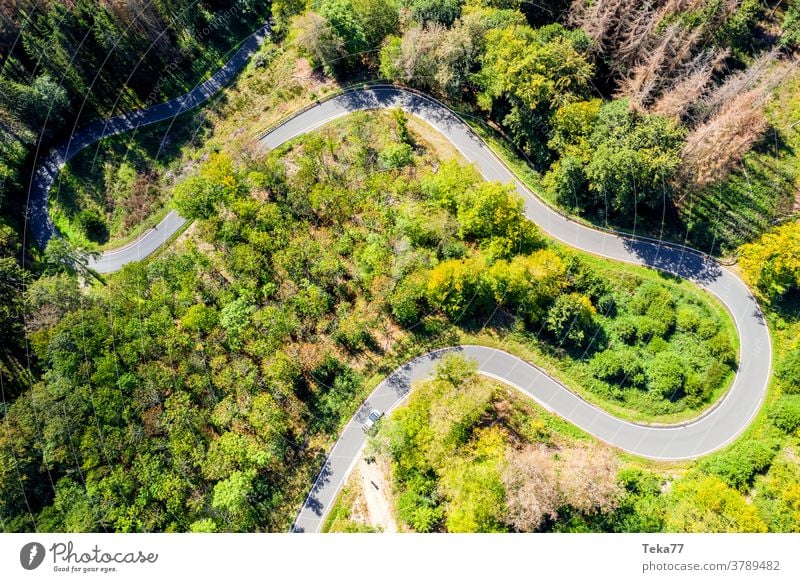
(714, 148)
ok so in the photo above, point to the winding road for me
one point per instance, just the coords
(709, 432)
(38, 216)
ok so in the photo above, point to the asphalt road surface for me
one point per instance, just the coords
(705, 434)
(38, 217)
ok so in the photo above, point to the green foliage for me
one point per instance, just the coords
(343, 17)
(666, 374)
(657, 308)
(619, 366)
(571, 320)
(642, 508)
(396, 156)
(610, 154)
(406, 298)
(740, 27)
(791, 25)
(528, 284)
(739, 465)
(788, 371)
(200, 195)
(233, 496)
(342, 32)
(441, 11)
(450, 184)
(204, 364)
(456, 288)
(772, 263)
(708, 505)
(92, 225)
(492, 213)
(785, 413)
(234, 319)
(456, 370)
(448, 472)
(534, 71)
(417, 512)
(89, 60)
(778, 495)
(476, 499)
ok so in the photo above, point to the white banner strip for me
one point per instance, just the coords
(374, 557)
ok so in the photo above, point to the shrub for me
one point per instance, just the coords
(771, 263)
(607, 305)
(418, 512)
(405, 300)
(655, 303)
(666, 374)
(721, 348)
(688, 318)
(789, 372)
(707, 328)
(739, 465)
(625, 329)
(706, 504)
(441, 11)
(456, 288)
(92, 225)
(217, 181)
(396, 156)
(620, 366)
(785, 414)
(572, 319)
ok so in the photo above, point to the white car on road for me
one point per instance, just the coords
(373, 417)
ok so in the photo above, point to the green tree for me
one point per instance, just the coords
(347, 23)
(456, 288)
(441, 11)
(656, 306)
(60, 256)
(474, 487)
(739, 465)
(789, 371)
(528, 283)
(233, 495)
(492, 214)
(534, 72)
(200, 195)
(235, 318)
(666, 374)
(772, 263)
(634, 157)
(706, 504)
(450, 184)
(571, 320)
(320, 42)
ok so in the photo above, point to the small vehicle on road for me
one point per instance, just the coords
(373, 417)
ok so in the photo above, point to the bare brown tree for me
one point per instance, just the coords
(588, 480)
(141, 16)
(318, 41)
(714, 148)
(762, 72)
(691, 87)
(602, 21)
(531, 483)
(417, 61)
(653, 50)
